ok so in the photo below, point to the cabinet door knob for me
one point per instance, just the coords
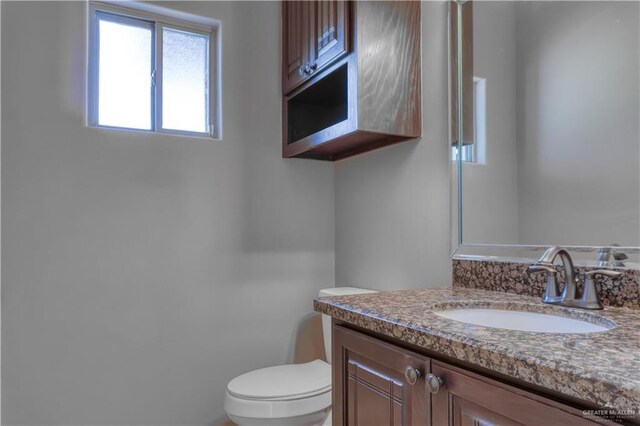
(314, 67)
(412, 375)
(433, 383)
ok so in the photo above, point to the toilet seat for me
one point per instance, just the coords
(280, 392)
(283, 382)
(250, 408)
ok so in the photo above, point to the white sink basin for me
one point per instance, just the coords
(521, 321)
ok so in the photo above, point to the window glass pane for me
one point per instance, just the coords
(124, 73)
(185, 81)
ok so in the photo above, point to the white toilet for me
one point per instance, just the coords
(294, 394)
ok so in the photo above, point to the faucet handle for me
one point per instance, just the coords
(542, 267)
(604, 272)
(590, 298)
(551, 292)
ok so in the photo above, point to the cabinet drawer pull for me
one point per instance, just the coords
(433, 383)
(412, 375)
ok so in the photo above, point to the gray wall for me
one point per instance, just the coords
(578, 134)
(490, 190)
(145, 271)
(142, 272)
(563, 101)
(392, 205)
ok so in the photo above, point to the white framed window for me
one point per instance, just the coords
(475, 152)
(152, 72)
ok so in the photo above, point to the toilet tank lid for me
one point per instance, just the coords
(344, 291)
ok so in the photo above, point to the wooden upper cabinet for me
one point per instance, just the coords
(371, 383)
(358, 86)
(315, 33)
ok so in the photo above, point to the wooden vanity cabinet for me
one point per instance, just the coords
(371, 387)
(315, 33)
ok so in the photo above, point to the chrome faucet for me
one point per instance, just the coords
(605, 254)
(589, 298)
(546, 264)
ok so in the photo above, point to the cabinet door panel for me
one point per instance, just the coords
(374, 397)
(329, 29)
(466, 413)
(469, 399)
(370, 387)
(296, 16)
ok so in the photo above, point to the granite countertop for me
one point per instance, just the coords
(601, 368)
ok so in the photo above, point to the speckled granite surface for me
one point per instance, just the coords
(512, 277)
(601, 368)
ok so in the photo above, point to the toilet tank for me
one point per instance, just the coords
(326, 319)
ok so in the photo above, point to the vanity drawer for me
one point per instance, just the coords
(466, 398)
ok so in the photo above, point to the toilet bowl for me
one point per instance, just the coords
(296, 394)
(293, 394)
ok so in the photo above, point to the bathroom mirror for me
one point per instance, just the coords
(549, 117)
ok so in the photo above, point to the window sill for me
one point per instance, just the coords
(123, 130)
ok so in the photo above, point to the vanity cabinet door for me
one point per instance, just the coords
(375, 383)
(466, 398)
